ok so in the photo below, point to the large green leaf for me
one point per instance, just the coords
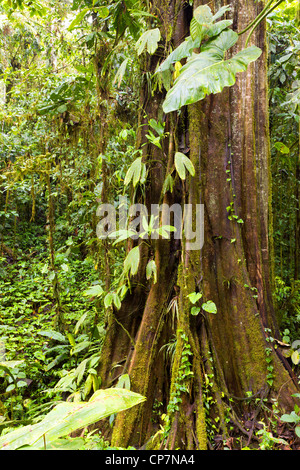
(148, 41)
(55, 335)
(202, 25)
(136, 172)
(94, 291)
(221, 12)
(185, 49)
(209, 307)
(151, 270)
(132, 261)
(121, 72)
(182, 162)
(67, 417)
(209, 72)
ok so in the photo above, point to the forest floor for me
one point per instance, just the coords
(46, 356)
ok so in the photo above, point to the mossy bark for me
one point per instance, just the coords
(236, 258)
(229, 147)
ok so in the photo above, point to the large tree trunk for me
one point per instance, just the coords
(229, 147)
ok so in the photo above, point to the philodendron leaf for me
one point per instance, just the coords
(94, 291)
(295, 357)
(133, 172)
(132, 261)
(66, 417)
(202, 25)
(194, 297)
(182, 163)
(151, 270)
(148, 41)
(209, 307)
(121, 72)
(221, 12)
(136, 172)
(195, 310)
(168, 184)
(185, 49)
(203, 15)
(209, 72)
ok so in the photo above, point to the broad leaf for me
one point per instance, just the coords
(200, 32)
(78, 18)
(117, 301)
(290, 418)
(295, 357)
(67, 417)
(203, 14)
(121, 72)
(185, 49)
(194, 297)
(151, 271)
(148, 41)
(55, 335)
(108, 300)
(10, 364)
(122, 235)
(296, 344)
(209, 72)
(209, 307)
(69, 443)
(136, 172)
(123, 382)
(132, 261)
(217, 47)
(293, 98)
(79, 347)
(168, 184)
(203, 24)
(281, 147)
(157, 126)
(80, 370)
(221, 11)
(112, 298)
(165, 230)
(195, 310)
(94, 291)
(182, 163)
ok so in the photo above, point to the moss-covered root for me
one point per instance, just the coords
(146, 373)
(185, 425)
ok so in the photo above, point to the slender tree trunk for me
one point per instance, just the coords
(229, 146)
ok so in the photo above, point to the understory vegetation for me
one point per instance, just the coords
(72, 118)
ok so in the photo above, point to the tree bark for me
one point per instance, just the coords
(228, 138)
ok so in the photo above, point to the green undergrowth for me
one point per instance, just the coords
(34, 356)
